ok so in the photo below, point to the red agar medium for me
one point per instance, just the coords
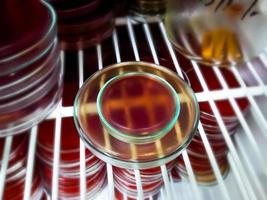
(124, 109)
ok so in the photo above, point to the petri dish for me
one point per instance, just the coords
(90, 22)
(136, 115)
(87, 40)
(206, 179)
(32, 38)
(217, 34)
(143, 10)
(23, 112)
(69, 186)
(83, 24)
(74, 9)
(24, 80)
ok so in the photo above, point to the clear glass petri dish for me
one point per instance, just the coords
(23, 112)
(136, 115)
(69, 186)
(23, 81)
(32, 41)
(217, 33)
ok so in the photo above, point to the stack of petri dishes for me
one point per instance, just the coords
(16, 171)
(143, 10)
(69, 167)
(136, 115)
(196, 150)
(30, 70)
(82, 24)
(152, 180)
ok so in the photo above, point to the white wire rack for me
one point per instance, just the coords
(247, 178)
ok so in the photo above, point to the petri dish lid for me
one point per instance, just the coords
(136, 115)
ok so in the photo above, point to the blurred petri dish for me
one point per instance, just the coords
(90, 22)
(217, 34)
(15, 189)
(26, 98)
(201, 167)
(116, 126)
(79, 40)
(87, 28)
(19, 74)
(74, 9)
(24, 112)
(143, 10)
(18, 51)
(17, 142)
(200, 148)
(69, 186)
(206, 179)
(127, 185)
(25, 80)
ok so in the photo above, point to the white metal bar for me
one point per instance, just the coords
(191, 176)
(213, 162)
(110, 181)
(263, 58)
(249, 165)
(166, 181)
(255, 74)
(242, 121)
(81, 67)
(257, 113)
(238, 178)
(82, 146)
(207, 146)
(30, 163)
(56, 156)
(116, 45)
(201, 97)
(170, 49)
(122, 21)
(201, 130)
(224, 131)
(99, 56)
(156, 60)
(57, 143)
(133, 40)
(137, 58)
(172, 184)
(140, 194)
(185, 156)
(4, 166)
(235, 93)
(100, 66)
(150, 42)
